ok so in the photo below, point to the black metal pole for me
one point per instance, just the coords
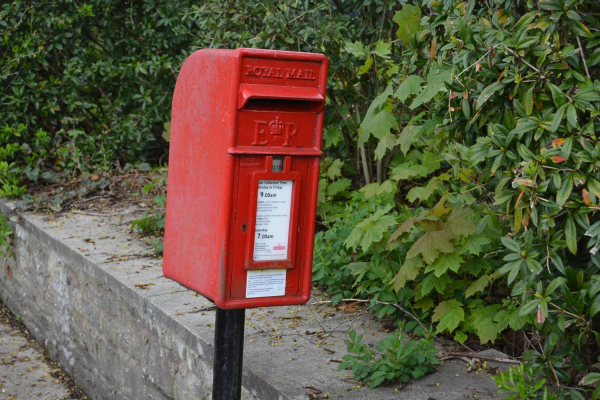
(229, 353)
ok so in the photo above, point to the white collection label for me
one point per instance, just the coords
(272, 220)
(265, 283)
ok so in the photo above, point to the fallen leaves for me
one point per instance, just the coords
(144, 286)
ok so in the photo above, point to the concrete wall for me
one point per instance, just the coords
(114, 342)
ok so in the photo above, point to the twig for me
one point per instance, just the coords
(362, 152)
(352, 321)
(587, 72)
(316, 320)
(91, 199)
(520, 58)
(89, 213)
(552, 367)
(404, 311)
(475, 63)
(476, 355)
(470, 361)
(344, 300)
(197, 310)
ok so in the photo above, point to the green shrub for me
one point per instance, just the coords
(486, 116)
(396, 358)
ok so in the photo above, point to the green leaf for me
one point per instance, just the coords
(512, 269)
(437, 282)
(571, 235)
(353, 240)
(487, 330)
(580, 29)
(478, 286)
(554, 285)
(403, 231)
(382, 49)
(511, 244)
(424, 192)
(557, 95)
(408, 20)
(529, 307)
(436, 79)
(595, 306)
(407, 137)
(572, 115)
(458, 223)
(593, 230)
(474, 244)
(591, 378)
(564, 191)
(335, 169)
(528, 101)
(408, 272)
(525, 125)
(594, 186)
(332, 137)
(167, 131)
(366, 66)
(411, 85)
(460, 337)
(338, 186)
(357, 48)
(431, 161)
(379, 125)
(486, 94)
(431, 244)
(445, 262)
(374, 230)
(424, 304)
(527, 155)
(386, 143)
(556, 120)
(449, 314)
(407, 171)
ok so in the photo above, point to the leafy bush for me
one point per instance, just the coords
(396, 358)
(486, 116)
(522, 380)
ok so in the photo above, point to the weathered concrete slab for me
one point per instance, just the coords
(92, 293)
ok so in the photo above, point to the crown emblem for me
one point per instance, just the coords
(276, 126)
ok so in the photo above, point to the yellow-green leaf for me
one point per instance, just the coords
(450, 314)
(408, 272)
(402, 231)
(431, 244)
(445, 262)
(478, 286)
(458, 223)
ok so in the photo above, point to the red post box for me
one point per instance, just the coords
(244, 159)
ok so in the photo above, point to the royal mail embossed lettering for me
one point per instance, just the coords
(277, 129)
(280, 73)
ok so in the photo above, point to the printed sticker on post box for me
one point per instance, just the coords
(274, 202)
(266, 283)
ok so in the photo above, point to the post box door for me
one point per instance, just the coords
(283, 218)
